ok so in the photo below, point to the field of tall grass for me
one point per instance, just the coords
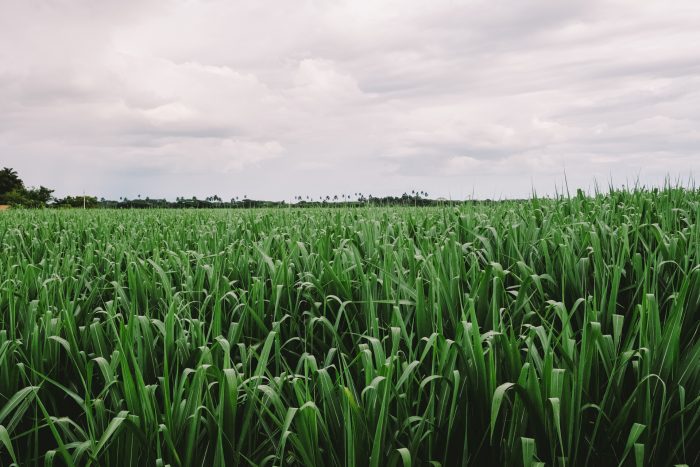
(549, 331)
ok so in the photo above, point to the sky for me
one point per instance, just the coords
(274, 99)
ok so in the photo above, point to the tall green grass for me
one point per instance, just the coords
(557, 332)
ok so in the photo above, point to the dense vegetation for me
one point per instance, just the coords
(215, 202)
(558, 331)
(14, 193)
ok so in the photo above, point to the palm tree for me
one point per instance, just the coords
(9, 180)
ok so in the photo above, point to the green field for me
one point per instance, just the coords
(562, 331)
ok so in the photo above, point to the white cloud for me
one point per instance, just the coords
(275, 99)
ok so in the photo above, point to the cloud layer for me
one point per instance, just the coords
(276, 99)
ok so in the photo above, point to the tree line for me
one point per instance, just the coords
(13, 192)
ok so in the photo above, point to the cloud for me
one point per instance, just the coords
(275, 99)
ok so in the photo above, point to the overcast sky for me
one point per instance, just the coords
(276, 99)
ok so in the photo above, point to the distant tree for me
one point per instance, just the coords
(9, 180)
(14, 198)
(13, 191)
(77, 202)
(39, 196)
(31, 198)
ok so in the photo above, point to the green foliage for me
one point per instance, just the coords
(77, 202)
(556, 332)
(14, 193)
(29, 198)
(9, 181)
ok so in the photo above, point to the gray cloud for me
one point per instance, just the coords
(275, 99)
